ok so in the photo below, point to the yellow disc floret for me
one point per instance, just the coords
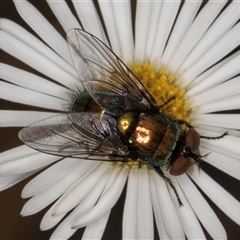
(160, 84)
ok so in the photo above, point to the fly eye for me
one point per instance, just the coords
(193, 139)
(180, 166)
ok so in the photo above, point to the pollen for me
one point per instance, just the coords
(160, 84)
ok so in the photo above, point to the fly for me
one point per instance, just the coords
(115, 117)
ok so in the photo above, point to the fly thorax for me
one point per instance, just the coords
(126, 123)
(147, 135)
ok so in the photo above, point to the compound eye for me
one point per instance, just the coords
(180, 166)
(193, 139)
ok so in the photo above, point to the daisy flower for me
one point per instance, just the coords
(189, 50)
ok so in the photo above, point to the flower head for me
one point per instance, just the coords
(186, 50)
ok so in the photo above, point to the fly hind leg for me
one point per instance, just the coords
(159, 171)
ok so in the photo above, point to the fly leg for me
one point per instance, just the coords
(168, 101)
(217, 137)
(159, 171)
(181, 122)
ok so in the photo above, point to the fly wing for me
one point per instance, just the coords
(107, 79)
(83, 135)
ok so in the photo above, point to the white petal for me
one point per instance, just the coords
(169, 11)
(17, 94)
(79, 190)
(27, 163)
(51, 175)
(63, 14)
(201, 208)
(21, 118)
(227, 145)
(229, 103)
(141, 28)
(130, 206)
(36, 60)
(170, 217)
(28, 39)
(43, 28)
(190, 223)
(231, 166)
(219, 50)
(96, 229)
(229, 70)
(89, 18)
(64, 230)
(162, 231)
(16, 153)
(153, 24)
(110, 23)
(122, 10)
(7, 182)
(226, 89)
(106, 202)
(53, 191)
(31, 81)
(210, 71)
(218, 120)
(144, 210)
(198, 28)
(184, 20)
(226, 202)
(219, 28)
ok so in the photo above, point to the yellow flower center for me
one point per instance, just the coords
(160, 84)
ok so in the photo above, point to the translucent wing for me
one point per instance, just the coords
(107, 79)
(84, 135)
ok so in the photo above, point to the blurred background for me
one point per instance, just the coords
(12, 225)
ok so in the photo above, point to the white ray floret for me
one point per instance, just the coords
(43, 28)
(106, 202)
(162, 230)
(31, 81)
(14, 93)
(63, 14)
(143, 15)
(229, 165)
(21, 118)
(64, 230)
(89, 18)
(201, 208)
(80, 189)
(220, 49)
(224, 23)
(184, 20)
(122, 10)
(111, 26)
(170, 217)
(195, 32)
(190, 223)
(168, 13)
(144, 206)
(52, 175)
(36, 60)
(27, 38)
(226, 202)
(130, 207)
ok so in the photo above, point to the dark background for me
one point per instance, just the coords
(12, 225)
